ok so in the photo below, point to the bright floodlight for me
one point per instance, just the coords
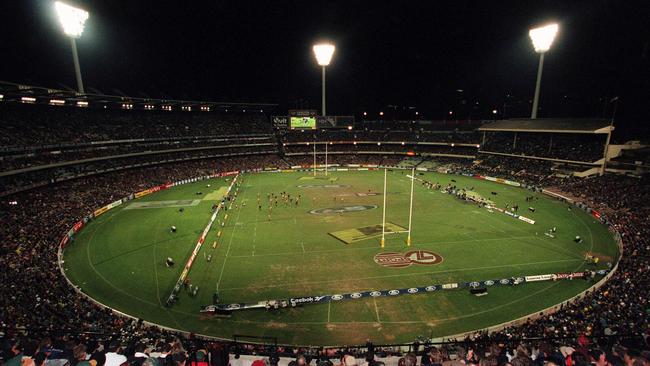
(324, 53)
(72, 19)
(543, 37)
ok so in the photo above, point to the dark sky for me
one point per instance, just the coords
(405, 53)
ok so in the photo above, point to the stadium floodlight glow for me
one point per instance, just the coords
(72, 21)
(323, 53)
(542, 38)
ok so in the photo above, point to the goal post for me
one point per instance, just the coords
(408, 239)
(383, 220)
(314, 166)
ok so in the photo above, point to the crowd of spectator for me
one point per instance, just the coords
(45, 322)
(578, 147)
(48, 175)
(43, 156)
(397, 148)
(31, 125)
(32, 226)
(344, 159)
(360, 134)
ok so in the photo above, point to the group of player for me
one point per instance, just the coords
(274, 200)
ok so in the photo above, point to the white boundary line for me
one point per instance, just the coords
(232, 235)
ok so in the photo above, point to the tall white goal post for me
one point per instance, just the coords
(383, 220)
(326, 166)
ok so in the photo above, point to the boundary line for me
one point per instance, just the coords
(232, 235)
(199, 244)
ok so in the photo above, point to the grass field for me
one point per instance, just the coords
(119, 258)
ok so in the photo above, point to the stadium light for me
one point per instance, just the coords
(323, 53)
(542, 38)
(72, 21)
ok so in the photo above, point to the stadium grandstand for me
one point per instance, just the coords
(140, 231)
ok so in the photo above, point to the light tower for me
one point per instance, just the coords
(323, 53)
(542, 38)
(72, 21)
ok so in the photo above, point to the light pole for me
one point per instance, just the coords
(72, 20)
(323, 53)
(542, 38)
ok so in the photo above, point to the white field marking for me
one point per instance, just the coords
(255, 227)
(542, 239)
(591, 236)
(329, 308)
(488, 224)
(427, 320)
(232, 235)
(317, 323)
(358, 322)
(302, 241)
(288, 285)
(155, 273)
(92, 266)
(375, 247)
(376, 309)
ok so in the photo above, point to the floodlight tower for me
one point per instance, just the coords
(542, 38)
(323, 53)
(72, 21)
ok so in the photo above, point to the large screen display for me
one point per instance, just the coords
(303, 122)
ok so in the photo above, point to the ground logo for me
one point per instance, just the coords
(399, 260)
(342, 209)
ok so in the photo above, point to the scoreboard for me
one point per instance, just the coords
(308, 122)
(308, 119)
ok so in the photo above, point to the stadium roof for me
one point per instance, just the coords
(552, 125)
(12, 92)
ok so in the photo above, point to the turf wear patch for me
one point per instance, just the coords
(342, 209)
(162, 204)
(216, 195)
(398, 260)
(310, 177)
(367, 232)
(323, 186)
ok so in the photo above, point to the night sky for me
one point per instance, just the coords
(402, 53)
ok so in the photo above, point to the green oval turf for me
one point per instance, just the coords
(118, 259)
